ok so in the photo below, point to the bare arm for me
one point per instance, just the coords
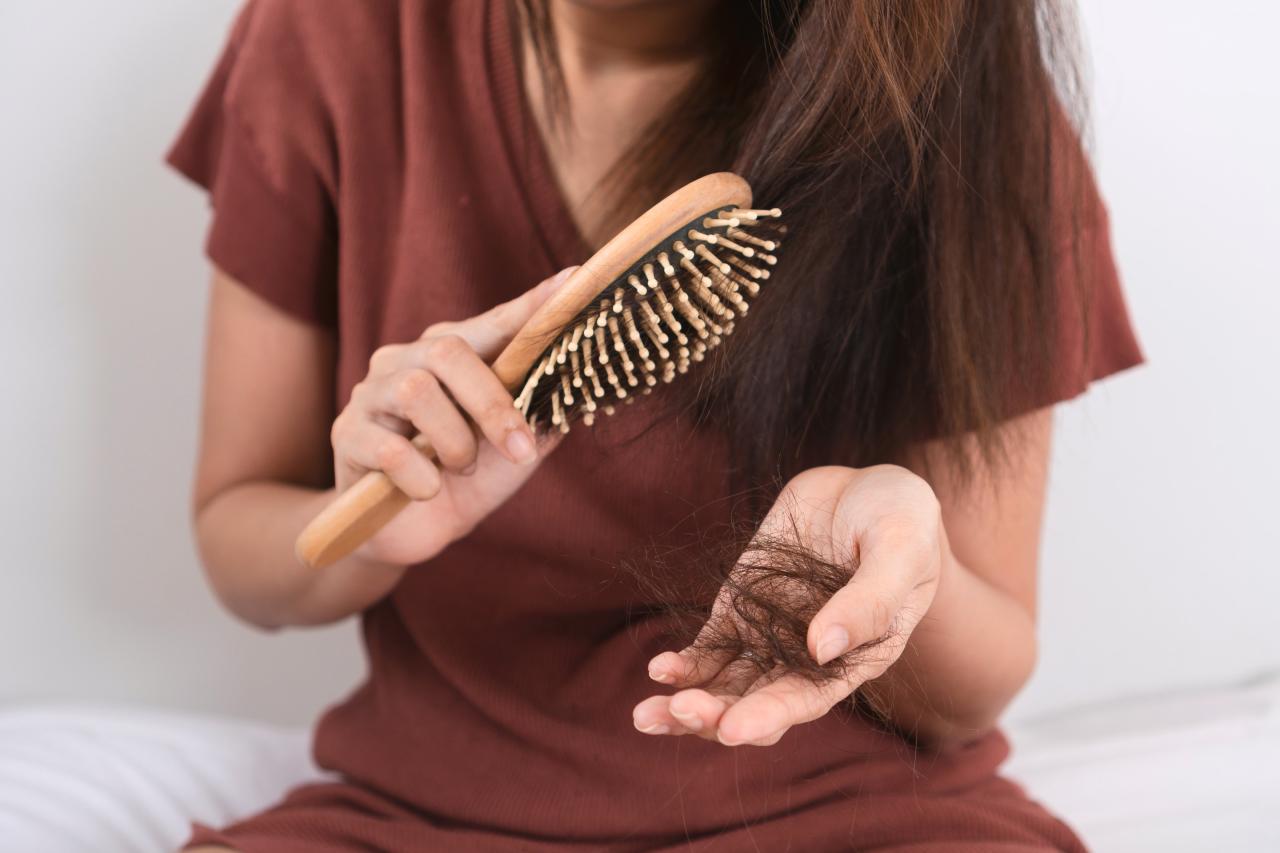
(976, 647)
(270, 447)
(264, 464)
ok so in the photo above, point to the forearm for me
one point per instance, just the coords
(246, 534)
(966, 660)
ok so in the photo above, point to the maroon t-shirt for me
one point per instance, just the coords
(373, 169)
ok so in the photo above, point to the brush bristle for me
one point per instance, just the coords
(651, 324)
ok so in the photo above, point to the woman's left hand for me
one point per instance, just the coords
(887, 522)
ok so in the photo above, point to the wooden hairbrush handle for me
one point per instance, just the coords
(363, 509)
(354, 517)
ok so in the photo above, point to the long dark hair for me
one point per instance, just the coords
(916, 149)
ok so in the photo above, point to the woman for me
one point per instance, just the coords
(384, 174)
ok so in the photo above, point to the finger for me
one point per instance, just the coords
(784, 702)
(652, 717)
(699, 711)
(368, 403)
(866, 608)
(489, 332)
(689, 667)
(416, 396)
(478, 392)
(375, 448)
(385, 360)
(698, 715)
(701, 660)
(736, 677)
(772, 739)
(350, 434)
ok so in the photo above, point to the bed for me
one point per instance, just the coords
(1189, 772)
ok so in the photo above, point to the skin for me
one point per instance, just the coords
(622, 62)
(948, 567)
(948, 570)
(265, 448)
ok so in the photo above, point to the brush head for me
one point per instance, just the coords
(651, 303)
(663, 313)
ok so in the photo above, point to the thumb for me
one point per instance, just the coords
(491, 331)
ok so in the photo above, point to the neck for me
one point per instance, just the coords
(598, 35)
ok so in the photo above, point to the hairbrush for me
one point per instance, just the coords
(652, 302)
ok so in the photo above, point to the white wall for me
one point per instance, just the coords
(100, 336)
(1160, 568)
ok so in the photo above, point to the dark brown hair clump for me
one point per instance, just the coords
(752, 600)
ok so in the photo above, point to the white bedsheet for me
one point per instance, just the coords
(111, 781)
(1198, 772)
(1191, 772)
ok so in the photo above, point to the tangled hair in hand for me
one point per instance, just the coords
(750, 595)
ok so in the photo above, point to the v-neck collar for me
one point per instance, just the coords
(526, 154)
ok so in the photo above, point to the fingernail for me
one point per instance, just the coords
(658, 672)
(660, 675)
(689, 720)
(521, 448)
(834, 642)
(655, 729)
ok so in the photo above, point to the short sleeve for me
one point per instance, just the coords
(259, 141)
(1095, 337)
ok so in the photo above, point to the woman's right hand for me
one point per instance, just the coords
(439, 385)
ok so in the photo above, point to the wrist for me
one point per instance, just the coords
(344, 589)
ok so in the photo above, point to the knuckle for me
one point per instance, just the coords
(501, 315)
(410, 387)
(392, 453)
(500, 415)
(435, 330)
(445, 348)
(923, 496)
(383, 357)
(339, 431)
(912, 489)
(462, 453)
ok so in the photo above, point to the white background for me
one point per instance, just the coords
(1160, 567)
